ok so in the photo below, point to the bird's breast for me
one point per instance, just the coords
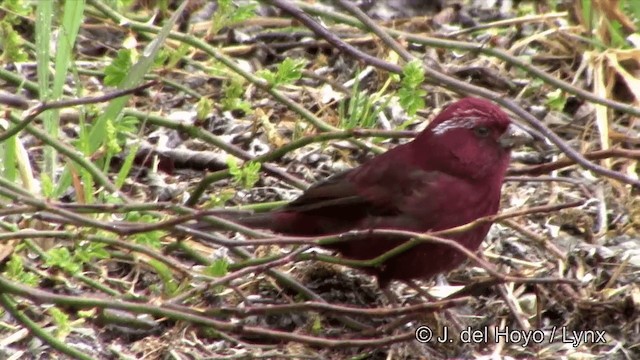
(452, 204)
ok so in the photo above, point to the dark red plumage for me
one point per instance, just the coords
(449, 175)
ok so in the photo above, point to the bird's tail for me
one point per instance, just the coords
(239, 217)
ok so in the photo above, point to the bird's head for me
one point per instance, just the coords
(471, 138)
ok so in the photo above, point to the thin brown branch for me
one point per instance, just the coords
(44, 106)
(87, 302)
(346, 310)
(566, 162)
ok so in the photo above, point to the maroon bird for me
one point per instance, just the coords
(449, 175)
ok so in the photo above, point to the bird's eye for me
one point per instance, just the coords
(481, 131)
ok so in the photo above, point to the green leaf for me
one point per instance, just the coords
(14, 267)
(61, 258)
(413, 74)
(111, 140)
(220, 198)
(46, 185)
(288, 71)
(242, 13)
(251, 173)
(227, 13)
(556, 100)
(11, 44)
(91, 251)
(204, 107)
(364, 108)
(232, 100)
(410, 95)
(61, 320)
(245, 176)
(218, 268)
(15, 270)
(411, 100)
(316, 326)
(128, 124)
(117, 71)
(234, 169)
(14, 8)
(150, 238)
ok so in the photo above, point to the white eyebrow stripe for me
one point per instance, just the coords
(460, 113)
(455, 123)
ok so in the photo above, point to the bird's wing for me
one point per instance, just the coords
(380, 190)
(335, 191)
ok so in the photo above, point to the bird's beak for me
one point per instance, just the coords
(514, 136)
